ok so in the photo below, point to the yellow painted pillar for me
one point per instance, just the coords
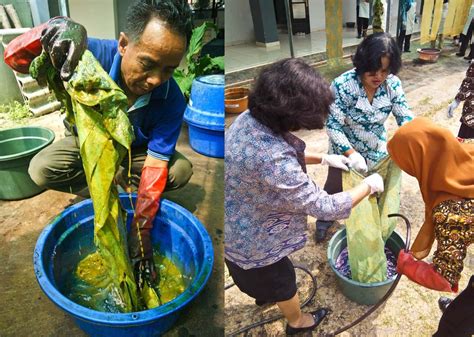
(333, 11)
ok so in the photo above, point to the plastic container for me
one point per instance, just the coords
(236, 100)
(17, 147)
(362, 293)
(205, 116)
(428, 54)
(69, 238)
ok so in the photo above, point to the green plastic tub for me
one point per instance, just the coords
(17, 147)
(362, 293)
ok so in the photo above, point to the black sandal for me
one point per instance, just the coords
(318, 316)
(443, 303)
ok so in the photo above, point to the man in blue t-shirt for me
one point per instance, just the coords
(141, 62)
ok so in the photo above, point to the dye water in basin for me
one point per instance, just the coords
(90, 285)
(342, 263)
(361, 293)
(177, 235)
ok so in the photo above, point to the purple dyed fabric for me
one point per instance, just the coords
(342, 263)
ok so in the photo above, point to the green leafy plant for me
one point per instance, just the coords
(197, 64)
(15, 111)
(202, 4)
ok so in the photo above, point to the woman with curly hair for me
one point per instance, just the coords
(268, 194)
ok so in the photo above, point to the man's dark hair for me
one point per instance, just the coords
(175, 13)
(369, 53)
(290, 95)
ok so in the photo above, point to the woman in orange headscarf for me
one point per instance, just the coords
(444, 169)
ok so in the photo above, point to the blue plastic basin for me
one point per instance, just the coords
(205, 116)
(69, 238)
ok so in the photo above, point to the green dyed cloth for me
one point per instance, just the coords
(96, 105)
(368, 227)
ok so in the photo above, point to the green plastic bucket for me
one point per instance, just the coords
(362, 293)
(17, 147)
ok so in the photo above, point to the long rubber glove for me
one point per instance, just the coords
(422, 273)
(152, 184)
(65, 41)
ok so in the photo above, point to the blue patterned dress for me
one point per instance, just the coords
(355, 123)
(268, 195)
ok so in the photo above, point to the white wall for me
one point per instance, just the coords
(349, 13)
(96, 15)
(238, 22)
(317, 17)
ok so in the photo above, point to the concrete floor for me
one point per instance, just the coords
(26, 311)
(248, 55)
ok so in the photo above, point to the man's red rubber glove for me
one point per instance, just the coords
(421, 272)
(152, 183)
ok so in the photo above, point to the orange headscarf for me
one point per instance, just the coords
(443, 167)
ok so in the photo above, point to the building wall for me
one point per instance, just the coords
(98, 16)
(22, 8)
(317, 19)
(349, 13)
(238, 23)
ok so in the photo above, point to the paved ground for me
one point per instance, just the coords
(412, 310)
(26, 311)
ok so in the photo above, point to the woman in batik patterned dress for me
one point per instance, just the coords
(444, 168)
(268, 194)
(364, 98)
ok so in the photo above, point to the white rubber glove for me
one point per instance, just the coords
(375, 183)
(454, 104)
(357, 162)
(336, 160)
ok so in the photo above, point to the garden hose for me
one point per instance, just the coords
(313, 292)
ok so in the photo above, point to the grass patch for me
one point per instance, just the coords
(433, 109)
(331, 72)
(15, 111)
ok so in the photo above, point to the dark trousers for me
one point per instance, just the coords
(359, 27)
(457, 320)
(362, 25)
(465, 131)
(465, 40)
(333, 184)
(59, 167)
(402, 38)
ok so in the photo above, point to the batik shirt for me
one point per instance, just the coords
(355, 123)
(268, 195)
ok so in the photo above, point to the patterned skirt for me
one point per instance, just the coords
(454, 231)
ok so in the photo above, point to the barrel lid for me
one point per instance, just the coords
(206, 105)
(212, 79)
(204, 119)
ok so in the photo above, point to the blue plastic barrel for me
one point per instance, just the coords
(70, 237)
(205, 116)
